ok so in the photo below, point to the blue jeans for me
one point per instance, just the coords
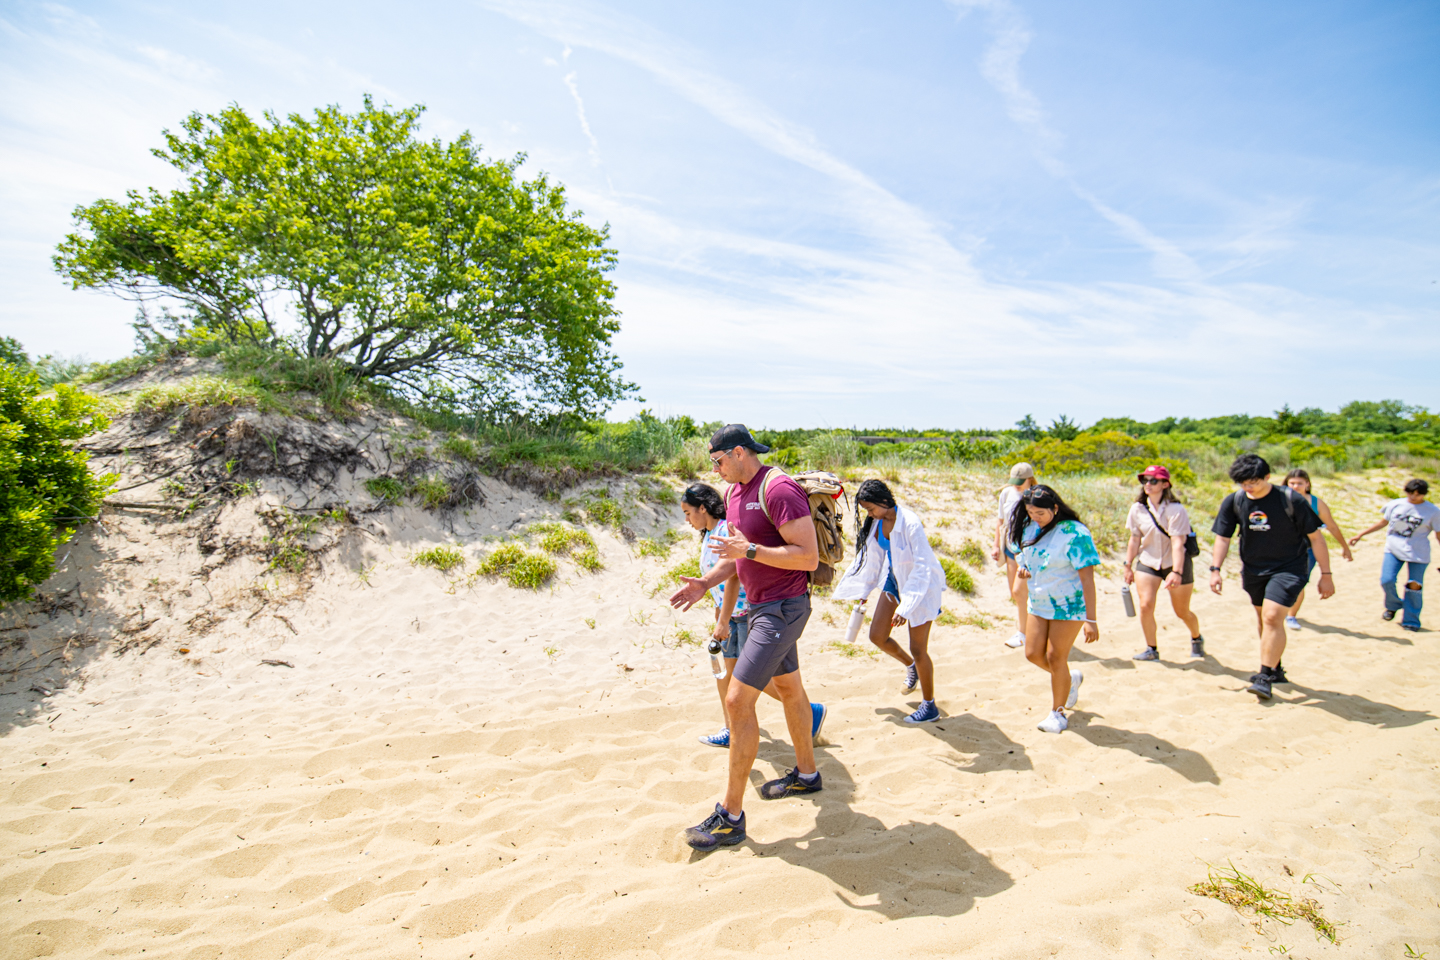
(1390, 566)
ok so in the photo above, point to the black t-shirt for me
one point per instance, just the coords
(1269, 540)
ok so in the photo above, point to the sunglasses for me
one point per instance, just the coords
(715, 461)
(1151, 481)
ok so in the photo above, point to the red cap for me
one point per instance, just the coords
(1155, 471)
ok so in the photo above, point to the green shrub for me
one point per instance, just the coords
(589, 560)
(500, 559)
(972, 553)
(387, 488)
(46, 487)
(1388, 492)
(956, 576)
(559, 539)
(1110, 452)
(431, 491)
(531, 572)
(443, 558)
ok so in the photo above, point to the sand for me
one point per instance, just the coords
(458, 770)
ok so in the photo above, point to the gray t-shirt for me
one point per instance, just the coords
(1410, 527)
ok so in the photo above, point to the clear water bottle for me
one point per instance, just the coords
(717, 662)
(1128, 600)
(857, 619)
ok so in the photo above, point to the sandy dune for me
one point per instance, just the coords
(476, 771)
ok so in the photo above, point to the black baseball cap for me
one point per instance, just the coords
(734, 435)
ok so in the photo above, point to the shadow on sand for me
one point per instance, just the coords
(1189, 764)
(968, 734)
(908, 870)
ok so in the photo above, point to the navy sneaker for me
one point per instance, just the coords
(1259, 685)
(718, 830)
(1406, 626)
(912, 677)
(1149, 653)
(817, 719)
(789, 785)
(1197, 648)
(928, 713)
(1388, 615)
(721, 739)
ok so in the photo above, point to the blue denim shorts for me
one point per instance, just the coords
(891, 587)
(739, 627)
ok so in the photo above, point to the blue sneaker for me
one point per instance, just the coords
(912, 677)
(928, 713)
(817, 720)
(721, 739)
(790, 785)
(718, 830)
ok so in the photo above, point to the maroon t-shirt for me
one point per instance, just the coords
(762, 582)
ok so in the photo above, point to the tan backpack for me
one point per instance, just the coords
(823, 489)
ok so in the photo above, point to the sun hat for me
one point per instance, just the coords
(734, 435)
(1154, 472)
(1020, 473)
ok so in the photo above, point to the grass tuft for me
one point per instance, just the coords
(559, 539)
(386, 488)
(852, 650)
(443, 558)
(1244, 892)
(956, 576)
(972, 553)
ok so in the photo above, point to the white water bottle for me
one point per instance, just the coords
(857, 618)
(1126, 599)
(717, 662)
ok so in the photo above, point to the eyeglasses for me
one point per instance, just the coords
(1148, 481)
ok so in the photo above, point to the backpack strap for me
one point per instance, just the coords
(1163, 532)
(775, 472)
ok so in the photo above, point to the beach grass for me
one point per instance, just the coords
(1246, 894)
(442, 558)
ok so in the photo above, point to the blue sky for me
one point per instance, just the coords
(927, 214)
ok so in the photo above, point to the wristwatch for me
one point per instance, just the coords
(750, 552)
(1214, 569)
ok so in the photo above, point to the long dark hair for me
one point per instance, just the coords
(705, 497)
(871, 491)
(1046, 499)
(1297, 472)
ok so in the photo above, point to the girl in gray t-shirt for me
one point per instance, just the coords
(1411, 521)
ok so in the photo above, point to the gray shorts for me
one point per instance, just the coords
(731, 646)
(770, 648)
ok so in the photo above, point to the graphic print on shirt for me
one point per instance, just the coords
(1258, 520)
(1405, 525)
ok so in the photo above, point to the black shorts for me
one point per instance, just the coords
(770, 644)
(1187, 572)
(1283, 586)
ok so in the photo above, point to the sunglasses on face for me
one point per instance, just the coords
(1150, 481)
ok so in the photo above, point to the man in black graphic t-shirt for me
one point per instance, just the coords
(1276, 525)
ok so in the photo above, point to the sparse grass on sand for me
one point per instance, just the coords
(442, 558)
(518, 566)
(1245, 893)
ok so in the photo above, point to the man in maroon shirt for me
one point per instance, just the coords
(773, 556)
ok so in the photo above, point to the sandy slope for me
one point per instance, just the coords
(428, 780)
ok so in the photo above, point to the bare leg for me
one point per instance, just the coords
(744, 742)
(880, 630)
(1019, 593)
(1272, 633)
(1300, 602)
(1037, 642)
(920, 649)
(1180, 601)
(1062, 638)
(797, 719)
(1146, 589)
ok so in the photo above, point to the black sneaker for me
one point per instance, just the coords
(1259, 685)
(1388, 615)
(1197, 648)
(716, 831)
(789, 785)
(1278, 675)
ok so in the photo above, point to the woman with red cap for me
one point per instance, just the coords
(1159, 528)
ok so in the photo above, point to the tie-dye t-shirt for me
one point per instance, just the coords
(1053, 562)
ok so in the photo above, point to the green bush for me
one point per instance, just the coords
(589, 560)
(46, 487)
(443, 558)
(518, 566)
(560, 539)
(957, 577)
(500, 559)
(972, 553)
(1111, 452)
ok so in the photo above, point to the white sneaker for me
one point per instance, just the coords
(1292, 623)
(1017, 639)
(1076, 678)
(1054, 723)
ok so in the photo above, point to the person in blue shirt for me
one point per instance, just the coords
(1057, 557)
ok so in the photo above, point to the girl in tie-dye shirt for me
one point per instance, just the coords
(1057, 560)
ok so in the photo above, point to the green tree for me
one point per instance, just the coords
(1027, 429)
(407, 261)
(1063, 429)
(13, 353)
(46, 486)
(1288, 422)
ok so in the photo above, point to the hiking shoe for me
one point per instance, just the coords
(1388, 615)
(1076, 678)
(1259, 685)
(717, 831)
(1017, 639)
(721, 739)
(1054, 723)
(1278, 675)
(912, 677)
(789, 785)
(927, 713)
(1197, 648)
(817, 719)
(1149, 653)
(1406, 626)
(1292, 623)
